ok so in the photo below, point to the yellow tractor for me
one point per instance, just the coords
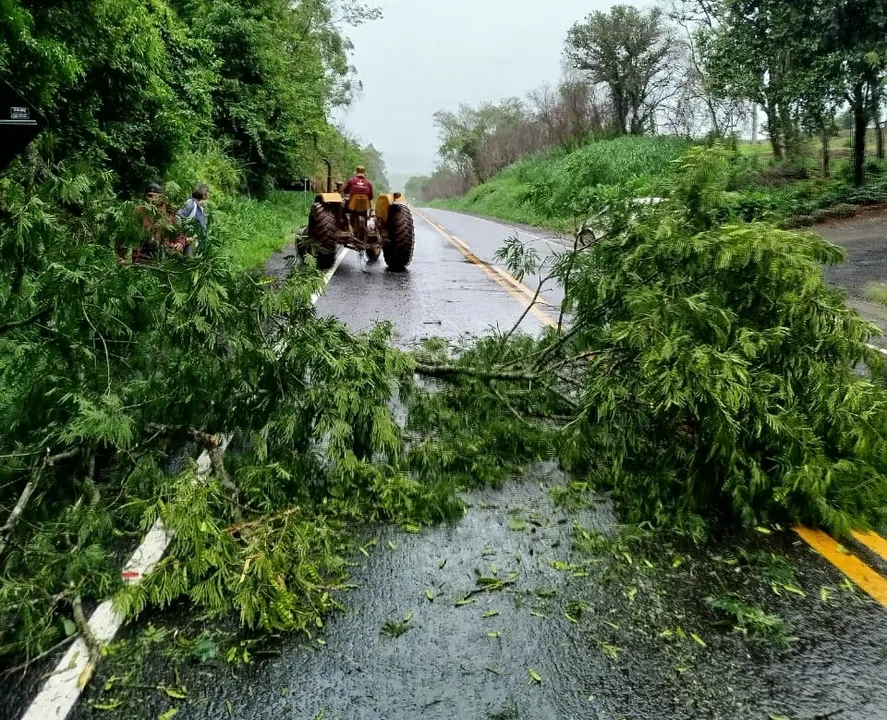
(386, 229)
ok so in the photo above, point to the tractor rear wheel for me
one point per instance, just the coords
(322, 234)
(398, 250)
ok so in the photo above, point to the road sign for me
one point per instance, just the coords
(19, 123)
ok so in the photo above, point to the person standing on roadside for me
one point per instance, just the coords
(155, 217)
(193, 211)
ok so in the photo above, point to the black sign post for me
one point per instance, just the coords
(20, 123)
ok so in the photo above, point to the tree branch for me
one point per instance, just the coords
(25, 665)
(445, 370)
(16, 514)
(95, 651)
(5, 327)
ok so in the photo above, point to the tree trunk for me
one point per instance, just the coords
(826, 151)
(773, 128)
(775, 145)
(876, 116)
(860, 125)
(754, 123)
(789, 132)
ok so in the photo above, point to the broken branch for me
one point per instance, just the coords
(445, 370)
(16, 514)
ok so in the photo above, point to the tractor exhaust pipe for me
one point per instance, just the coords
(329, 175)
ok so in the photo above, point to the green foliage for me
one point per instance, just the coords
(751, 619)
(708, 369)
(136, 85)
(877, 293)
(149, 354)
(628, 50)
(476, 431)
(251, 231)
(553, 190)
(727, 363)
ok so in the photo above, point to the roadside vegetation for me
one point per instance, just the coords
(548, 190)
(698, 71)
(114, 376)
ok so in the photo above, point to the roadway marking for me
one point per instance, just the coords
(517, 290)
(854, 568)
(873, 542)
(850, 565)
(61, 690)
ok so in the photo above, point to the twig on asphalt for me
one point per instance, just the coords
(25, 665)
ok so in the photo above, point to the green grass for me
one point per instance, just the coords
(253, 230)
(876, 293)
(539, 190)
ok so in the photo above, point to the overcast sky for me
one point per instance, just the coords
(428, 55)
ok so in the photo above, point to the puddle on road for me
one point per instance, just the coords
(499, 617)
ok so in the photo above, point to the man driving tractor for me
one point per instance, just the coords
(358, 184)
(357, 208)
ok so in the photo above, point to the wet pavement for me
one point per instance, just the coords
(522, 610)
(864, 238)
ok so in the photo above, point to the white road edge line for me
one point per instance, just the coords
(61, 690)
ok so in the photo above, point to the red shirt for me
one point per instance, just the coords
(358, 185)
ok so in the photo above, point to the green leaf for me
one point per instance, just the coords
(534, 676)
(517, 524)
(109, 705)
(168, 714)
(698, 639)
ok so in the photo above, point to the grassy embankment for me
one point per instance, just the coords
(253, 230)
(510, 194)
(537, 190)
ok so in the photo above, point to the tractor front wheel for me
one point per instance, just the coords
(398, 250)
(322, 234)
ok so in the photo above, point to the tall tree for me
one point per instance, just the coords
(376, 168)
(473, 140)
(628, 51)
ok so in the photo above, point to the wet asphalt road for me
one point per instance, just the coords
(608, 635)
(442, 295)
(864, 238)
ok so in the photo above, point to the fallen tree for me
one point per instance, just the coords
(702, 371)
(707, 370)
(108, 369)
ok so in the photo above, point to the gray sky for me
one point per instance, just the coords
(428, 55)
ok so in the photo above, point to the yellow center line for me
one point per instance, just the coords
(873, 542)
(510, 284)
(850, 565)
(854, 568)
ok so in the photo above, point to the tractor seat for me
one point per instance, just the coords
(359, 203)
